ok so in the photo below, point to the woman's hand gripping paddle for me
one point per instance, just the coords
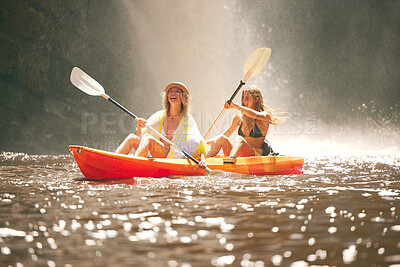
(253, 66)
(91, 87)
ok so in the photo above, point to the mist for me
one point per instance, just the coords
(333, 68)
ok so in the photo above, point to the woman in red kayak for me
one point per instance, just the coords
(253, 120)
(175, 123)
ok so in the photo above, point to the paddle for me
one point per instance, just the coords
(91, 87)
(253, 66)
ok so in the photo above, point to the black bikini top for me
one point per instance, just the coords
(255, 132)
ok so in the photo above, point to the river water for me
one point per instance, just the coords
(344, 210)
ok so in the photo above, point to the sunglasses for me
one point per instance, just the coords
(177, 92)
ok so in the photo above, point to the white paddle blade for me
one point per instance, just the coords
(86, 83)
(256, 62)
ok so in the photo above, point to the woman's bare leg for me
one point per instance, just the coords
(221, 141)
(241, 148)
(150, 144)
(131, 141)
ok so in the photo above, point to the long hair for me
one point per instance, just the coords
(260, 105)
(185, 105)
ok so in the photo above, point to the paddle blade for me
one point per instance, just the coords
(256, 62)
(86, 83)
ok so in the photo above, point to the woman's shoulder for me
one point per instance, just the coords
(158, 113)
(157, 116)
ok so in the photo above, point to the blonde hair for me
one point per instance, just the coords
(185, 105)
(260, 105)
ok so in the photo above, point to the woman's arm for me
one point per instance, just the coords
(263, 115)
(140, 125)
(234, 125)
(202, 162)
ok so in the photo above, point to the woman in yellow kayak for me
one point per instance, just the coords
(253, 120)
(175, 123)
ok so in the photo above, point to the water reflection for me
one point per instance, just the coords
(341, 211)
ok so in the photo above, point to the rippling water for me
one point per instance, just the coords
(342, 210)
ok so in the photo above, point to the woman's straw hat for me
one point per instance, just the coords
(177, 85)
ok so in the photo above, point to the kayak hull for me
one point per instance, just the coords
(100, 165)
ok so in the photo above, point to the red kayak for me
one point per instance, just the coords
(99, 165)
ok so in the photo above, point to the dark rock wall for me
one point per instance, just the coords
(40, 43)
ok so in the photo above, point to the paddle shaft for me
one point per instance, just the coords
(155, 131)
(119, 105)
(254, 64)
(236, 92)
(223, 110)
